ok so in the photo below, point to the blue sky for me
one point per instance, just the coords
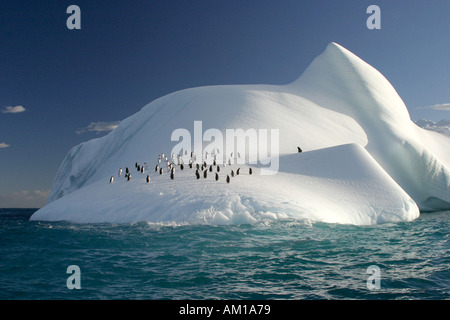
(60, 87)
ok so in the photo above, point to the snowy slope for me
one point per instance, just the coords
(341, 184)
(339, 101)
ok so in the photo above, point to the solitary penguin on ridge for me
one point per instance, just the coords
(299, 149)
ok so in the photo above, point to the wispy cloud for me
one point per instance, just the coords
(98, 127)
(440, 107)
(16, 109)
(3, 145)
(24, 199)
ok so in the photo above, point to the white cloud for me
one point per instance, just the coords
(16, 109)
(99, 127)
(440, 107)
(24, 199)
(3, 145)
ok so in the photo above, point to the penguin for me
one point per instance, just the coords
(218, 168)
(120, 172)
(138, 168)
(214, 163)
(210, 168)
(142, 169)
(161, 171)
(250, 171)
(148, 178)
(182, 166)
(237, 171)
(197, 175)
(299, 149)
(156, 168)
(127, 170)
(205, 174)
(229, 162)
(198, 166)
(190, 164)
(136, 164)
(172, 175)
(232, 173)
(111, 180)
(129, 177)
(228, 179)
(172, 170)
(217, 176)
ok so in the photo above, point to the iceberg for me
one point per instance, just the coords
(363, 162)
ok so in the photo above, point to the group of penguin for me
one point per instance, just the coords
(170, 166)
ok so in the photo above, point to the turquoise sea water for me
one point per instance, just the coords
(274, 260)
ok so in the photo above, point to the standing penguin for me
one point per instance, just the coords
(232, 173)
(182, 166)
(218, 168)
(156, 168)
(210, 168)
(120, 172)
(237, 171)
(172, 175)
(148, 178)
(111, 180)
(299, 149)
(205, 174)
(250, 171)
(228, 179)
(217, 176)
(161, 171)
(197, 175)
(129, 177)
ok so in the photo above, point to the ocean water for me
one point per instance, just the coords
(284, 260)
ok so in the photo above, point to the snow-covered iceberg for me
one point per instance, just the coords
(363, 162)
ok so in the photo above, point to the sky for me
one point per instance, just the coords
(60, 86)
